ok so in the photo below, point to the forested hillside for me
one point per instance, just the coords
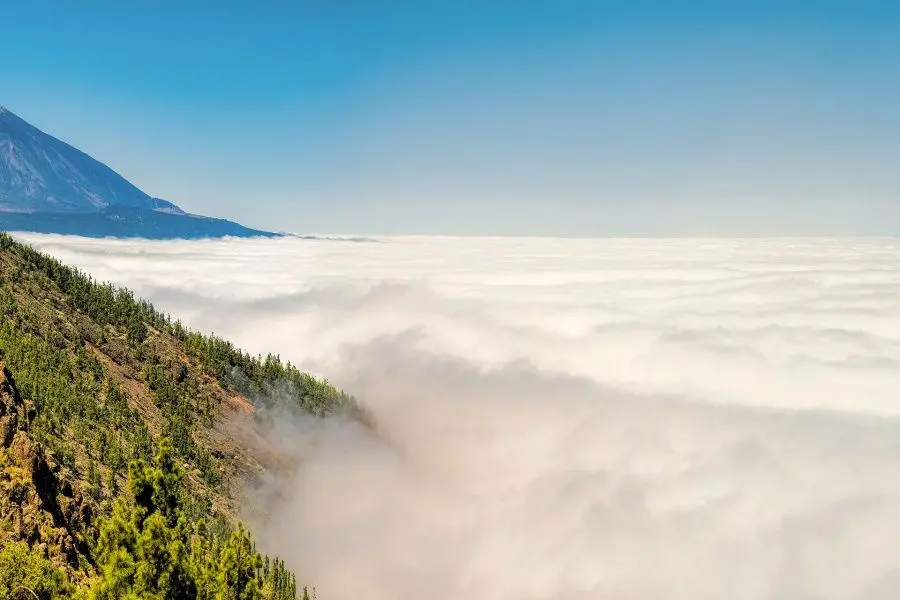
(118, 476)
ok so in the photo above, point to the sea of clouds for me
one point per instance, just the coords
(567, 419)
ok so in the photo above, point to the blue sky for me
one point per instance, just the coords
(493, 117)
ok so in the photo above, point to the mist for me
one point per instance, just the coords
(565, 419)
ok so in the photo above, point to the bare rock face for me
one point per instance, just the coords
(15, 414)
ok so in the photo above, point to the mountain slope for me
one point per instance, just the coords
(126, 222)
(48, 186)
(92, 380)
(39, 173)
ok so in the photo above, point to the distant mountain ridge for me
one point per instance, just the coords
(48, 186)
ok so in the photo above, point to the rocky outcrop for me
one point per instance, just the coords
(15, 414)
(42, 506)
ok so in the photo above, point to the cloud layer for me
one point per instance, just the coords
(621, 419)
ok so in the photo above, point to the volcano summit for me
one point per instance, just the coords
(47, 186)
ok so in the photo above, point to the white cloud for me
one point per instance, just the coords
(634, 419)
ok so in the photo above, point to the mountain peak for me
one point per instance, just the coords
(41, 173)
(48, 186)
